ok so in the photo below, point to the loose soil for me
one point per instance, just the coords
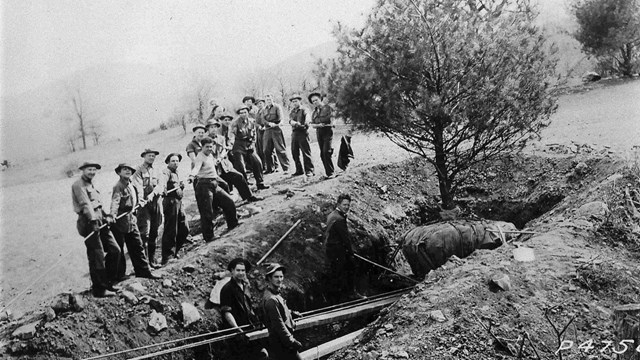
(584, 265)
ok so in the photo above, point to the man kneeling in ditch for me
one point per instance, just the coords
(278, 318)
(237, 310)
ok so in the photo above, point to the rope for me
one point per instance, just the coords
(64, 257)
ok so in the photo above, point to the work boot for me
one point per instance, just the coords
(150, 275)
(262, 186)
(254, 198)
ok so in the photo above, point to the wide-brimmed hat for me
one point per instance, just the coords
(226, 116)
(249, 97)
(199, 126)
(212, 122)
(149, 151)
(124, 165)
(273, 267)
(233, 263)
(166, 161)
(315, 94)
(259, 100)
(242, 108)
(87, 164)
(295, 96)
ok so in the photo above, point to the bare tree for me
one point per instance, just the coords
(86, 126)
(256, 84)
(195, 99)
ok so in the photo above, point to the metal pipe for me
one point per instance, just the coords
(385, 268)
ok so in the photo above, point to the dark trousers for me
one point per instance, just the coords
(136, 253)
(325, 138)
(149, 220)
(176, 229)
(300, 144)
(250, 157)
(260, 145)
(274, 140)
(103, 253)
(341, 272)
(234, 178)
(278, 351)
(210, 196)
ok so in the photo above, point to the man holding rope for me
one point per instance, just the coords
(176, 229)
(321, 119)
(124, 202)
(99, 240)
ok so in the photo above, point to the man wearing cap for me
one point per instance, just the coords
(102, 249)
(339, 250)
(321, 119)
(299, 119)
(195, 146)
(242, 139)
(273, 137)
(278, 318)
(124, 201)
(260, 125)
(209, 195)
(176, 230)
(237, 310)
(147, 179)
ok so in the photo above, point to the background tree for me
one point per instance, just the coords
(610, 31)
(85, 126)
(456, 82)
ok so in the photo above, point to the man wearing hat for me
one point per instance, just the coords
(242, 135)
(299, 119)
(124, 200)
(209, 195)
(176, 230)
(260, 127)
(321, 119)
(147, 179)
(195, 146)
(229, 177)
(237, 310)
(102, 249)
(278, 317)
(273, 137)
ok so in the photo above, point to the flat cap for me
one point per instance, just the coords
(166, 161)
(87, 164)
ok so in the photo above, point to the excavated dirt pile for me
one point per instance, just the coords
(389, 200)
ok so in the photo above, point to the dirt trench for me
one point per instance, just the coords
(388, 200)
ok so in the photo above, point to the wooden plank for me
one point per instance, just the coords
(331, 346)
(279, 241)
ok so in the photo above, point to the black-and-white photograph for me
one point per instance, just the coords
(299, 179)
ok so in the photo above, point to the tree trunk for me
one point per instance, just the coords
(83, 133)
(626, 66)
(627, 323)
(441, 167)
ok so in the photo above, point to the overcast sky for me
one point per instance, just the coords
(45, 40)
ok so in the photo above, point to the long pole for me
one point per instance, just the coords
(279, 241)
(385, 268)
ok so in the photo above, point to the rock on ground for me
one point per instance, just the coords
(190, 314)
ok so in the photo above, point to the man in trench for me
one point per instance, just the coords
(124, 198)
(278, 318)
(237, 310)
(339, 250)
(102, 250)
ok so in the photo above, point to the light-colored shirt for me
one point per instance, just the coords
(204, 166)
(86, 199)
(148, 179)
